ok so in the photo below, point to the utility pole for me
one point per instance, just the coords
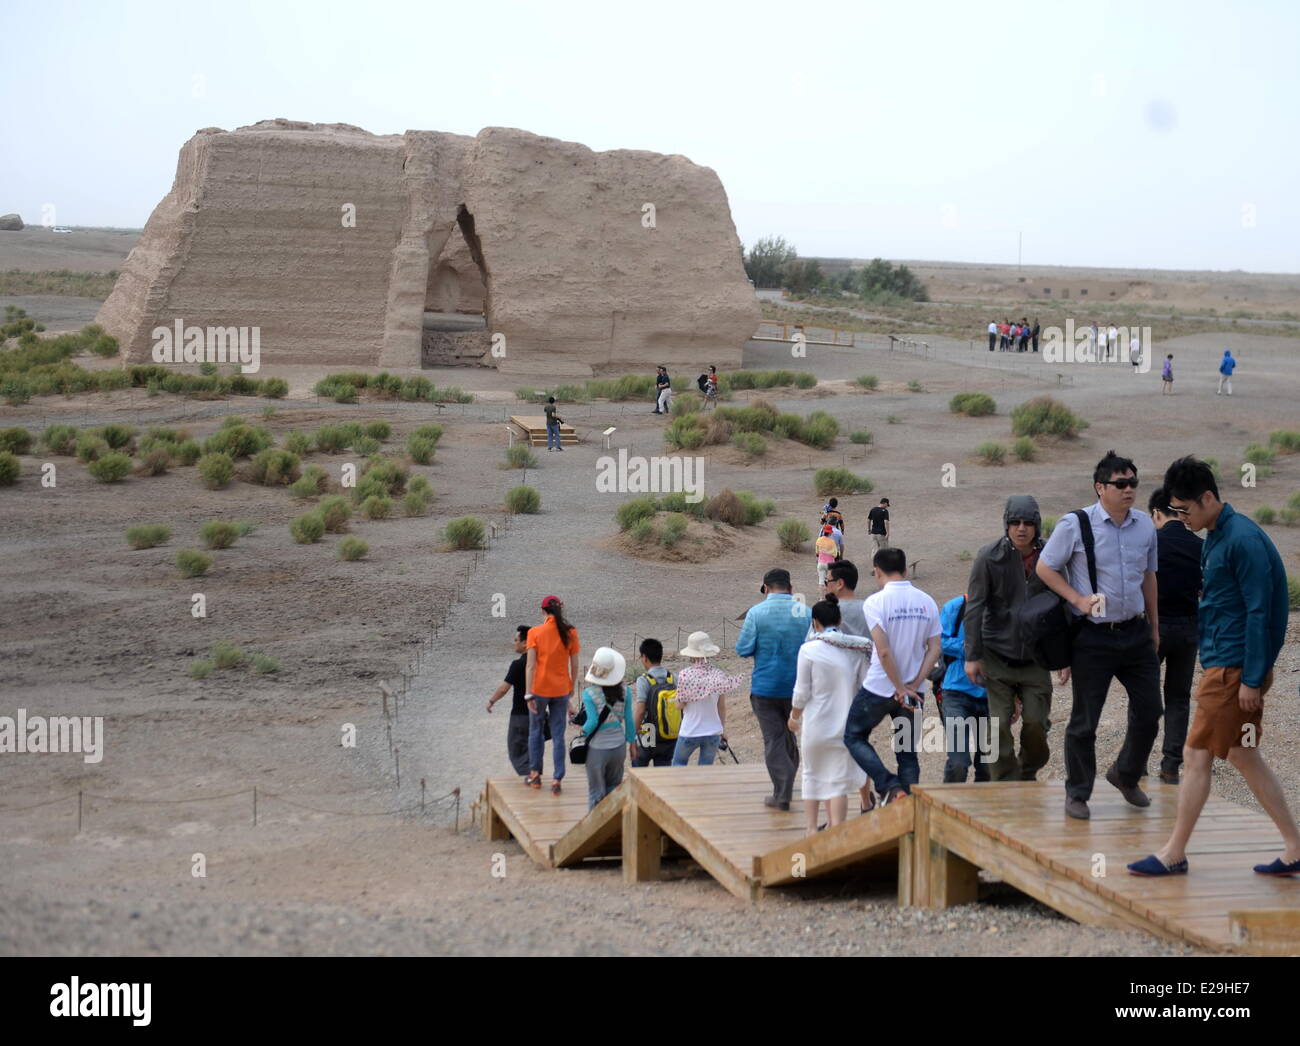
(1020, 239)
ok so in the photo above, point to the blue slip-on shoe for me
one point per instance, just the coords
(1153, 866)
(1278, 868)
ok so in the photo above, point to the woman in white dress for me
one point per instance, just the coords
(831, 667)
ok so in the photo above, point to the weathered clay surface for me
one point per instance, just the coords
(335, 242)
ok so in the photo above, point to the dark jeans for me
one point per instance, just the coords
(555, 712)
(865, 714)
(965, 721)
(1100, 655)
(517, 744)
(660, 755)
(992, 341)
(780, 746)
(1178, 639)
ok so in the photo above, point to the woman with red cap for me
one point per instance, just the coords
(549, 682)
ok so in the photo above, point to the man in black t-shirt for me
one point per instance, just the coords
(879, 529)
(663, 392)
(517, 731)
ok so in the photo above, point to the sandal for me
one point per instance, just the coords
(534, 780)
(555, 787)
(871, 804)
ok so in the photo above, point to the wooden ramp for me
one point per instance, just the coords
(532, 429)
(1018, 831)
(535, 819)
(716, 814)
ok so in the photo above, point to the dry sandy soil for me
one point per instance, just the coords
(90, 627)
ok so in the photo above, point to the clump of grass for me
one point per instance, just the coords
(430, 431)
(386, 478)
(674, 529)
(686, 403)
(1293, 592)
(991, 453)
(298, 443)
(628, 513)
(1265, 515)
(119, 437)
(466, 532)
(1024, 448)
(379, 430)
(60, 439)
(793, 535)
(1294, 501)
(91, 448)
(201, 669)
(217, 470)
(111, 468)
(1258, 454)
(422, 449)
(1285, 440)
(367, 446)
(264, 664)
(308, 528)
(335, 511)
(148, 535)
(1045, 416)
(1048, 525)
(965, 556)
(750, 443)
(523, 499)
(188, 452)
(840, 481)
(415, 502)
(377, 506)
(245, 527)
(15, 440)
(274, 468)
(331, 439)
(192, 563)
(868, 381)
(226, 655)
(217, 533)
(9, 469)
(892, 419)
(819, 430)
(420, 484)
(642, 531)
(275, 388)
(804, 380)
(238, 440)
(154, 463)
(861, 436)
(520, 456)
(685, 433)
(313, 481)
(352, 549)
(915, 386)
(972, 404)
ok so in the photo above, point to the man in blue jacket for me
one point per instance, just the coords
(965, 705)
(772, 634)
(1242, 622)
(1226, 366)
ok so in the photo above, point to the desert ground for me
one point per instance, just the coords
(342, 860)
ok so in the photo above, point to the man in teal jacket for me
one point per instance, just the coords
(772, 634)
(1242, 619)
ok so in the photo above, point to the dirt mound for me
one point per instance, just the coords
(701, 543)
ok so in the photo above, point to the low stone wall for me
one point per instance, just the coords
(456, 349)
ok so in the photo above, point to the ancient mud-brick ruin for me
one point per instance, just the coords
(353, 249)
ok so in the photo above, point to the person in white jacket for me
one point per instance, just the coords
(831, 664)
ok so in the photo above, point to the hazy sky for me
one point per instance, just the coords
(1160, 135)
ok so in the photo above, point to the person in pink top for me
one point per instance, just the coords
(701, 691)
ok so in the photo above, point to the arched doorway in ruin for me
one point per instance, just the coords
(456, 301)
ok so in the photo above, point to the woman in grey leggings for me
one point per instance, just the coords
(615, 736)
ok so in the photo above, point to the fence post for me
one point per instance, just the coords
(254, 806)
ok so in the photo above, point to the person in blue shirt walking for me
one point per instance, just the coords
(1243, 617)
(773, 632)
(964, 705)
(1226, 366)
(607, 737)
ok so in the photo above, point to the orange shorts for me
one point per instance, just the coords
(1220, 723)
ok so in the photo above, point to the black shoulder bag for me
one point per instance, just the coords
(1046, 624)
(578, 746)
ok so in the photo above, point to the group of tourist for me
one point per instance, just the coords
(1139, 590)
(1008, 336)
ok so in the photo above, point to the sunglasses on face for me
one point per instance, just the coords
(1020, 522)
(1184, 510)
(1122, 484)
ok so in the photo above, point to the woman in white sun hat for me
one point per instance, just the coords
(610, 737)
(700, 696)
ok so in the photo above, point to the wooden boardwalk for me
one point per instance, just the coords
(937, 841)
(532, 429)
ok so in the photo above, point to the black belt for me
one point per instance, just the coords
(1115, 626)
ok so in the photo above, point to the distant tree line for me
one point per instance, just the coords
(772, 262)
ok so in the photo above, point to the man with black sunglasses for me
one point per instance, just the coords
(1118, 630)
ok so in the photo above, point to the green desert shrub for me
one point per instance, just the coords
(15, 440)
(840, 481)
(868, 381)
(187, 453)
(642, 531)
(119, 437)
(274, 468)
(367, 445)
(15, 391)
(225, 655)
(91, 448)
(1265, 515)
(674, 529)
(111, 468)
(972, 404)
(148, 535)
(632, 510)
(60, 439)
(275, 388)
(297, 443)
(892, 419)
(1045, 416)
(1285, 440)
(861, 436)
(1294, 501)
(379, 430)
(335, 511)
(331, 439)
(217, 533)
(154, 462)
(415, 502)
(307, 528)
(686, 403)
(429, 431)
(750, 443)
(1258, 454)
(1048, 525)
(377, 506)
(804, 380)
(422, 449)
(685, 433)
(264, 664)
(352, 549)
(756, 509)
(465, 532)
(245, 527)
(192, 563)
(520, 456)
(523, 499)
(991, 453)
(793, 535)
(201, 669)
(314, 480)
(726, 507)
(238, 440)
(382, 477)
(1024, 448)
(819, 430)
(217, 470)
(1293, 592)
(915, 386)
(787, 426)
(9, 469)
(717, 430)
(420, 484)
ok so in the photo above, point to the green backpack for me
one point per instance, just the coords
(662, 718)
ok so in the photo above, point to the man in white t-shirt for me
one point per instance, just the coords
(993, 335)
(904, 625)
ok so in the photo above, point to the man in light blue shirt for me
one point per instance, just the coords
(1118, 630)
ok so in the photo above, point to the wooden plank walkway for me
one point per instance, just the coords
(1018, 831)
(533, 429)
(535, 818)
